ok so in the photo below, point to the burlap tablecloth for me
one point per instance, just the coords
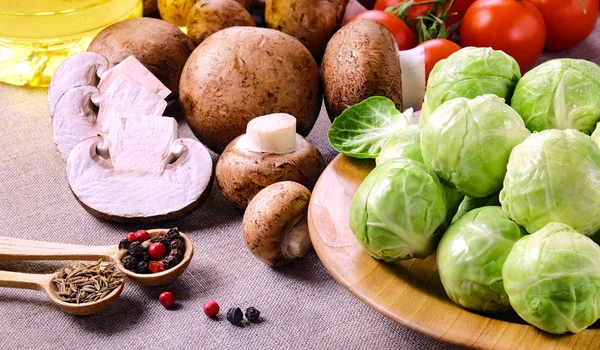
(303, 306)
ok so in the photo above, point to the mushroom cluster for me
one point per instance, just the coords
(124, 161)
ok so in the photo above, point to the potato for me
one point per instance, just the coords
(175, 11)
(313, 22)
(207, 17)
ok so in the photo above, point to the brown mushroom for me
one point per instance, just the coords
(240, 73)
(360, 61)
(158, 45)
(245, 168)
(274, 225)
(207, 17)
(150, 7)
(313, 22)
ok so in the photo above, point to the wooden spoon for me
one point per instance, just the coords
(44, 283)
(22, 249)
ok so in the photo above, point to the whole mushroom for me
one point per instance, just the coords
(313, 22)
(207, 17)
(158, 45)
(360, 61)
(275, 227)
(269, 152)
(240, 73)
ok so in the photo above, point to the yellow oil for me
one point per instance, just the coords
(36, 36)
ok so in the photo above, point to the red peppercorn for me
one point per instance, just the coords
(157, 250)
(131, 237)
(156, 266)
(167, 299)
(141, 235)
(211, 308)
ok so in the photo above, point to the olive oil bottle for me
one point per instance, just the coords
(36, 36)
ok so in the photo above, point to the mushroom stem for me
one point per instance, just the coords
(412, 64)
(271, 133)
(102, 149)
(298, 243)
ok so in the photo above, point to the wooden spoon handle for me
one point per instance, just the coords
(24, 280)
(23, 249)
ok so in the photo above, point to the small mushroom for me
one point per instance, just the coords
(241, 73)
(207, 17)
(139, 172)
(360, 61)
(82, 69)
(159, 46)
(274, 226)
(269, 152)
(313, 22)
(85, 111)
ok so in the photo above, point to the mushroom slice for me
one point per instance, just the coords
(125, 95)
(81, 69)
(111, 191)
(274, 226)
(136, 71)
(75, 118)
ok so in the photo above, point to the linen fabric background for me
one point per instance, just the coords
(303, 306)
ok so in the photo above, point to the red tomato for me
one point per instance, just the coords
(435, 51)
(460, 7)
(513, 26)
(568, 23)
(404, 36)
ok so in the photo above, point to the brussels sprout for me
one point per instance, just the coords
(470, 203)
(552, 278)
(596, 135)
(405, 143)
(467, 143)
(397, 210)
(470, 258)
(362, 130)
(560, 94)
(470, 72)
(554, 176)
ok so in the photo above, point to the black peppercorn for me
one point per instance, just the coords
(136, 249)
(178, 254)
(161, 239)
(170, 261)
(129, 262)
(177, 243)
(235, 316)
(145, 256)
(124, 244)
(253, 315)
(142, 267)
(172, 234)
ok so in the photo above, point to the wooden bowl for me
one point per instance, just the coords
(410, 292)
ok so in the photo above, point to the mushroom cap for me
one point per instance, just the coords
(270, 217)
(158, 45)
(139, 198)
(241, 173)
(150, 7)
(82, 69)
(207, 17)
(360, 61)
(312, 22)
(240, 73)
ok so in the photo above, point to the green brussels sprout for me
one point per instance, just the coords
(552, 278)
(470, 72)
(397, 210)
(470, 258)
(596, 135)
(554, 176)
(467, 143)
(405, 143)
(560, 94)
(470, 203)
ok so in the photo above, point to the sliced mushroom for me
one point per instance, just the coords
(274, 226)
(76, 119)
(360, 61)
(264, 156)
(134, 70)
(81, 69)
(140, 179)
